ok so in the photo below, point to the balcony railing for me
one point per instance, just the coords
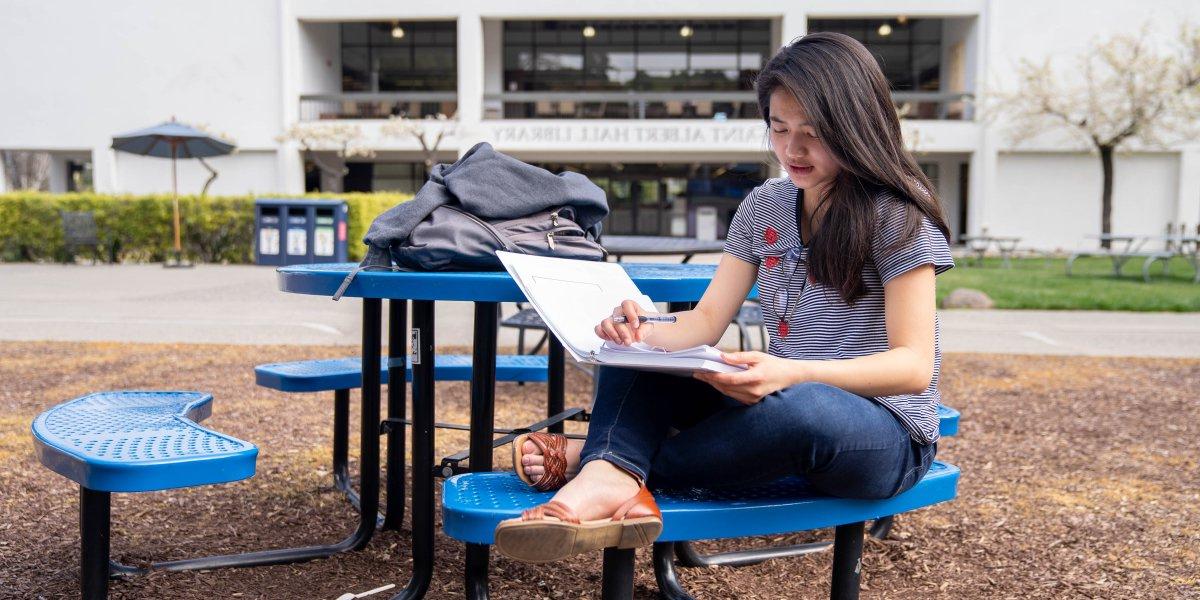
(621, 105)
(597, 105)
(376, 105)
(687, 105)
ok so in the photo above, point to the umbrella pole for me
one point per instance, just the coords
(178, 252)
(175, 202)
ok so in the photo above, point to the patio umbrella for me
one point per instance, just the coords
(173, 140)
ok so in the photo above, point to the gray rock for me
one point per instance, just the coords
(967, 298)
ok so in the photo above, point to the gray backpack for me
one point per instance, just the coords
(451, 238)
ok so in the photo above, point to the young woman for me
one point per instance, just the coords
(844, 250)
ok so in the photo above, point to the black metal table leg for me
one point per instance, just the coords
(556, 381)
(422, 449)
(397, 357)
(617, 579)
(341, 434)
(664, 573)
(847, 561)
(483, 409)
(94, 531)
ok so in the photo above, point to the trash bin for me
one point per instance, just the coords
(292, 231)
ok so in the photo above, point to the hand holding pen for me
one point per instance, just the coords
(629, 324)
(646, 319)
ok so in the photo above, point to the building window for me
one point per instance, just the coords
(402, 177)
(687, 200)
(79, 176)
(910, 53)
(673, 55)
(421, 58)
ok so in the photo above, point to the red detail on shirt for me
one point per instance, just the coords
(772, 261)
(783, 329)
(770, 235)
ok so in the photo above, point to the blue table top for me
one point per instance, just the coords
(662, 282)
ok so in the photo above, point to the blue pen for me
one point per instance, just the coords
(647, 319)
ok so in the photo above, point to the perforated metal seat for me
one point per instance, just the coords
(474, 503)
(346, 373)
(132, 441)
(136, 441)
(526, 318)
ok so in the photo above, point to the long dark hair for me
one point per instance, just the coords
(846, 100)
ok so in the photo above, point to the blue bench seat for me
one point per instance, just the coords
(947, 421)
(346, 373)
(134, 441)
(474, 503)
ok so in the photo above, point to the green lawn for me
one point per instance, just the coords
(1038, 283)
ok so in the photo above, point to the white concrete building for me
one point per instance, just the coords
(651, 100)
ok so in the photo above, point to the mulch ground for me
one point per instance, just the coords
(1080, 480)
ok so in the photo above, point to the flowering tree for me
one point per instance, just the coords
(423, 131)
(1125, 89)
(344, 139)
(26, 170)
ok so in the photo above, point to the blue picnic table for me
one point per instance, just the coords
(677, 284)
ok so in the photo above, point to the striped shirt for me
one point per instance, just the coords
(810, 321)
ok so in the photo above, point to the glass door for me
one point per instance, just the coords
(648, 211)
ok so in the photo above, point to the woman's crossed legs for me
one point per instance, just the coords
(846, 445)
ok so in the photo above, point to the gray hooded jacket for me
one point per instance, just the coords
(490, 185)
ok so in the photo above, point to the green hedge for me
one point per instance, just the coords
(218, 229)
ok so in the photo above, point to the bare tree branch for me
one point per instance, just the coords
(422, 130)
(1125, 89)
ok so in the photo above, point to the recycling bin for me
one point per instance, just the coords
(293, 231)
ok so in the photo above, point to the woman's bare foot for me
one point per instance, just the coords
(598, 490)
(532, 461)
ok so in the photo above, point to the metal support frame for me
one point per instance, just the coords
(664, 573)
(847, 561)
(689, 557)
(452, 465)
(94, 533)
(397, 359)
(556, 382)
(341, 468)
(422, 449)
(368, 484)
(616, 582)
(483, 416)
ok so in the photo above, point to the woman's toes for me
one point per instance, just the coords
(535, 472)
(529, 448)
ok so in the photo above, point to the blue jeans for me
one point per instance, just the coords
(844, 444)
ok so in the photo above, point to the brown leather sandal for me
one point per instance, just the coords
(553, 531)
(554, 456)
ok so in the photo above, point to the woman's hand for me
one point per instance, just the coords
(628, 332)
(766, 374)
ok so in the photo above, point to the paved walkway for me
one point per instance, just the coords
(241, 305)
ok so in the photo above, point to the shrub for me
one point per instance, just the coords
(138, 228)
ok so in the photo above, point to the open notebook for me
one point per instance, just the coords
(572, 296)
